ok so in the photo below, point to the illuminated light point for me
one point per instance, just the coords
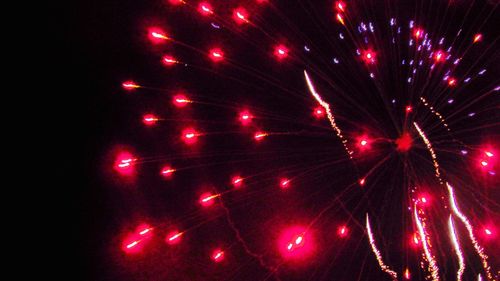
(217, 255)
(439, 56)
(124, 163)
(190, 136)
(240, 15)
(408, 109)
(488, 232)
(205, 8)
(407, 274)
(340, 6)
(415, 240)
(295, 243)
(167, 171)
(176, 2)
(362, 181)
(478, 37)
(319, 112)
(174, 237)
(280, 52)
(342, 231)
(149, 119)
(340, 18)
(284, 183)
(207, 199)
(489, 154)
(418, 33)
(216, 55)
(404, 142)
(157, 35)
(169, 60)
(484, 163)
(245, 117)
(369, 56)
(180, 100)
(130, 85)
(260, 136)
(237, 181)
(452, 82)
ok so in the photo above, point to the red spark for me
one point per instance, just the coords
(340, 6)
(216, 55)
(124, 163)
(190, 136)
(478, 37)
(240, 15)
(156, 35)
(342, 231)
(452, 82)
(439, 56)
(173, 237)
(284, 183)
(340, 18)
(217, 255)
(364, 143)
(319, 112)
(167, 171)
(245, 117)
(369, 56)
(180, 100)
(237, 181)
(169, 60)
(415, 240)
(205, 8)
(176, 2)
(258, 136)
(418, 33)
(404, 142)
(362, 181)
(130, 85)
(134, 242)
(280, 52)
(408, 109)
(295, 243)
(149, 119)
(208, 199)
(407, 274)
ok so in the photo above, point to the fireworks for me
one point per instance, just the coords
(310, 140)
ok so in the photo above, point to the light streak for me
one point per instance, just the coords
(436, 113)
(458, 251)
(433, 268)
(383, 266)
(329, 114)
(431, 150)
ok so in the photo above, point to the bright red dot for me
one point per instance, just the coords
(167, 171)
(407, 274)
(408, 108)
(176, 2)
(144, 230)
(362, 181)
(205, 8)
(284, 183)
(342, 231)
(404, 142)
(452, 82)
(478, 37)
(484, 163)
(369, 56)
(216, 55)
(134, 242)
(190, 136)
(258, 136)
(319, 112)
(180, 100)
(280, 52)
(130, 85)
(217, 255)
(240, 15)
(237, 181)
(124, 163)
(208, 199)
(418, 33)
(487, 231)
(169, 60)
(295, 243)
(173, 237)
(415, 240)
(439, 56)
(156, 35)
(340, 6)
(245, 117)
(149, 119)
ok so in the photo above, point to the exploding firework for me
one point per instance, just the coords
(309, 140)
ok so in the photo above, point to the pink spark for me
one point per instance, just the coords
(216, 55)
(205, 8)
(180, 100)
(130, 85)
(260, 136)
(149, 119)
(167, 171)
(319, 112)
(124, 163)
(240, 15)
(190, 136)
(284, 183)
(156, 35)
(280, 52)
(340, 6)
(173, 237)
(217, 255)
(207, 199)
(478, 37)
(237, 181)
(245, 117)
(169, 60)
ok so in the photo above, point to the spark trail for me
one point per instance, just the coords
(383, 266)
(433, 268)
(458, 251)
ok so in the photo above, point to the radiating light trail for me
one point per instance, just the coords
(383, 266)
(431, 150)
(436, 113)
(470, 229)
(326, 106)
(433, 268)
(458, 251)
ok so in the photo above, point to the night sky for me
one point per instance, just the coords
(108, 44)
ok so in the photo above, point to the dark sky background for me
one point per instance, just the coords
(106, 46)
